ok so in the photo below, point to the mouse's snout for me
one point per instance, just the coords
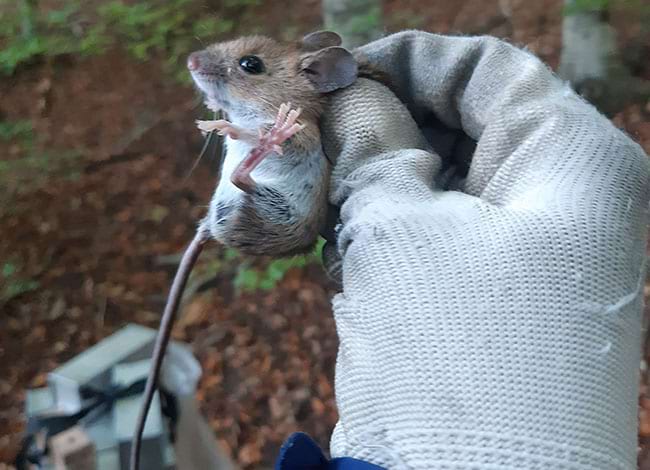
(205, 62)
(207, 70)
(194, 61)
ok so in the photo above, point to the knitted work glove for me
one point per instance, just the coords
(497, 327)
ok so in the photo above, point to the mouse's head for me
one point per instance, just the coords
(250, 77)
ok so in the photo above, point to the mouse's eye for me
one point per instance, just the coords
(252, 64)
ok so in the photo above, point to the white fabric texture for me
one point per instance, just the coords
(498, 327)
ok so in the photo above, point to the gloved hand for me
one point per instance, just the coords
(497, 327)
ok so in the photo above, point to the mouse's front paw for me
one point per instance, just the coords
(227, 128)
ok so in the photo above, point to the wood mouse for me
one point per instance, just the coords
(272, 196)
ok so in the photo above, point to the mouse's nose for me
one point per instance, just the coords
(193, 61)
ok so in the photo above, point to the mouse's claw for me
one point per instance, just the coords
(291, 118)
(282, 114)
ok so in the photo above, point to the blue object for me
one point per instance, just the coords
(300, 452)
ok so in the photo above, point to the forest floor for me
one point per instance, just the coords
(84, 230)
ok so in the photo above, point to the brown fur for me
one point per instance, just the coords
(366, 70)
(285, 216)
(282, 81)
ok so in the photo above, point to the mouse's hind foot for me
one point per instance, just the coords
(284, 128)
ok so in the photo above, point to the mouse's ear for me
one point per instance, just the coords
(319, 40)
(330, 69)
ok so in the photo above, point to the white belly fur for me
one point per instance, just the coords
(286, 172)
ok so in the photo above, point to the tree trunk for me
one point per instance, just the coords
(590, 60)
(27, 18)
(588, 45)
(357, 21)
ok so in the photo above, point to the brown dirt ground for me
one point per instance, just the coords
(92, 242)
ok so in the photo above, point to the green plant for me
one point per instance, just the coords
(12, 284)
(360, 24)
(250, 279)
(35, 169)
(241, 3)
(27, 33)
(167, 28)
(16, 130)
(578, 6)
(407, 19)
(32, 165)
